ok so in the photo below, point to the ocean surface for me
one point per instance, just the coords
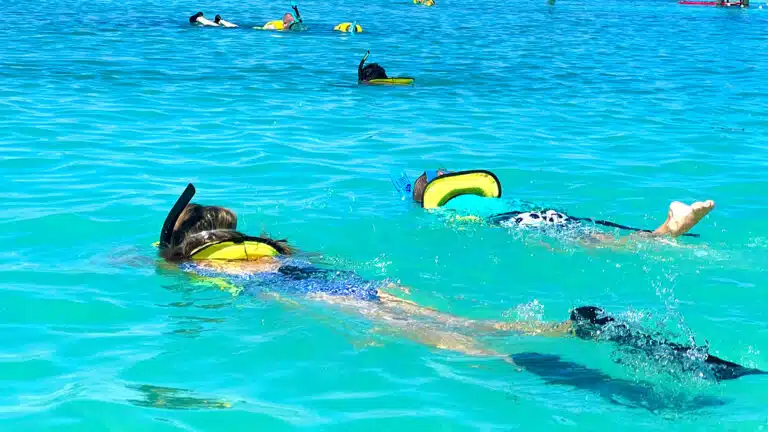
(607, 109)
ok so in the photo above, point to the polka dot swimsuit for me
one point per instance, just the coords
(535, 218)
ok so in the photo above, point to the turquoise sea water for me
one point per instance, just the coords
(609, 110)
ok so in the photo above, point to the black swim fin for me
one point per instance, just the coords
(588, 320)
(725, 370)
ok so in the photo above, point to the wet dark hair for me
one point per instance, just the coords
(371, 71)
(217, 19)
(199, 225)
(418, 188)
(420, 185)
(194, 17)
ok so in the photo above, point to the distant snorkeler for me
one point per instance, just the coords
(436, 188)
(218, 20)
(373, 73)
(293, 21)
(370, 71)
(289, 22)
(199, 19)
(424, 2)
(204, 242)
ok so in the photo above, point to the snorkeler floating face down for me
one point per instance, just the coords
(680, 217)
(206, 236)
(373, 73)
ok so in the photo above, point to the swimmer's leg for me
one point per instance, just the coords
(398, 312)
(682, 217)
(539, 328)
(411, 308)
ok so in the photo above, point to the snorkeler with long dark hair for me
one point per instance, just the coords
(374, 73)
(435, 188)
(203, 241)
(370, 71)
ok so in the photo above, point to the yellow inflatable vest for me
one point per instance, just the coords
(346, 27)
(273, 25)
(448, 186)
(248, 249)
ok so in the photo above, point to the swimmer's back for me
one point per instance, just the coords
(298, 278)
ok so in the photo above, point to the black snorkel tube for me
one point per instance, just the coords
(298, 16)
(170, 221)
(360, 66)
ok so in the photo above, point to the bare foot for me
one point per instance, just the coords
(682, 217)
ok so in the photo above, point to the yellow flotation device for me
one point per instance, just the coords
(249, 249)
(273, 25)
(346, 27)
(448, 186)
(390, 81)
(424, 2)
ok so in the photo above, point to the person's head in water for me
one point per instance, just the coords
(199, 225)
(193, 18)
(288, 21)
(370, 71)
(373, 71)
(196, 218)
(421, 184)
(217, 19)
